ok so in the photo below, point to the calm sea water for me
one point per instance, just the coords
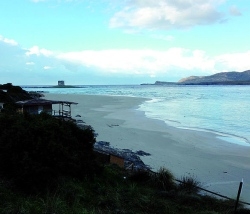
(220, 109)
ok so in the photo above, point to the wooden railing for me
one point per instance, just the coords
(63, 113)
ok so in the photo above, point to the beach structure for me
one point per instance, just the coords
(118, 160)
(36, 106)
(108, 155)
(61, 83)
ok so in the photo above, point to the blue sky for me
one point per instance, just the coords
(121, 41)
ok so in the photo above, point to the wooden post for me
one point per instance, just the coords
(59, 110)
(69, 110)
(62, 112)
(238, 196)
(62, 109)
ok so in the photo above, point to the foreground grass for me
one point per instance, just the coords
(115, 191)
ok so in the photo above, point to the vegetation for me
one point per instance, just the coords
(37, 150)
(113, 191)
(10, 93)
(189, 185)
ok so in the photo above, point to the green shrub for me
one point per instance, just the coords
(141, 176)
(189, 184)
(243, 211)
(163, 179)
(35, 150)
(13, 94)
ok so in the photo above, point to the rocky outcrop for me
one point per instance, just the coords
(128, 155)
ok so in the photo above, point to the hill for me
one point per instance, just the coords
(223, 78)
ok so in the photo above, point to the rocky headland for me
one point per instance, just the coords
(223, 78)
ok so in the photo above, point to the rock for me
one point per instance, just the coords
(128, 155)
(102, 143)
(142, 153)
(79, 121)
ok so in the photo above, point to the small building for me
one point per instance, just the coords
(108, 156)
(36, 106)
(118, 160)
(61, 83)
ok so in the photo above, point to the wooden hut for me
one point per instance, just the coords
(36, 106)
(107, 156)
(118, 160)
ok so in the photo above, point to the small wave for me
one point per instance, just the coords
(231, 138)
(155, 100)
(234, 140)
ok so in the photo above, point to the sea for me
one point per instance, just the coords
(224, 110)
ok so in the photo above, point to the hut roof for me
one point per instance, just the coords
(35, 102)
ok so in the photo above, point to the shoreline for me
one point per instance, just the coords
(230, 138)
(217, 164)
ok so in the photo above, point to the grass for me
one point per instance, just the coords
(115, 191)
(163, 180)
(189, 185)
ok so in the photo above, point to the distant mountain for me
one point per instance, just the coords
(224, 78)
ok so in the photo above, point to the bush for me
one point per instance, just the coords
(35, 150)
(189, 185)
(243, 211)
(163, 179)
(13, 94)
(141, 176)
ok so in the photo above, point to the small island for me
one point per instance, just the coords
(61, 84)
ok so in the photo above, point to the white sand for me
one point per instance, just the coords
(218, 164)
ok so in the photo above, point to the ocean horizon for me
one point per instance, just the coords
(223, 110)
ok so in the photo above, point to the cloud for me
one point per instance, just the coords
(42, 66)
(30, 63)
(234, 11)
(35, 50)
(36, 1)
(155, 63)
(47, 67)
(167, 14)
(234, 61)
(11, 53)
(8, 41)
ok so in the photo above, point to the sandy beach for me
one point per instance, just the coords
(219, 165)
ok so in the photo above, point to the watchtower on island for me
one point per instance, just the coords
(61, 83)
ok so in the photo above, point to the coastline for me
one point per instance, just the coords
(217, 164)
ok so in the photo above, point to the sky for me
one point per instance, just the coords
(103, 42)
